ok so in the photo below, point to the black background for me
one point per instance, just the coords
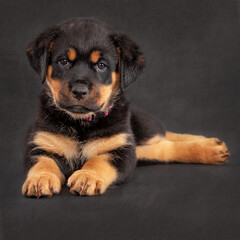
(191, 83)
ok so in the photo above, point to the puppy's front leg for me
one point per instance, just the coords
(44, 178)
(103, 170)
(94, 177)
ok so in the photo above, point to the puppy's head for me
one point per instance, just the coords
(85, 65)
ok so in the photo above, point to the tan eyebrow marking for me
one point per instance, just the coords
(72, 54)
(94, 57)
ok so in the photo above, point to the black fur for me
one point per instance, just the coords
(86, 35)
(131, 61)
(37, 51)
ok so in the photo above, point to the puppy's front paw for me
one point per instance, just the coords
(41, 185)
(86, 182)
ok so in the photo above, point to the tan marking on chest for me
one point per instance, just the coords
(103, 145)
(73, 150)
(57, 143)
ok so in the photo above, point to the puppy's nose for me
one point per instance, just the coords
(80, 91)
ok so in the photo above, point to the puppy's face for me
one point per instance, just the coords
(82, 62)
(82, 71)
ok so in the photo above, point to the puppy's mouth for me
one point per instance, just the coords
(81, 109)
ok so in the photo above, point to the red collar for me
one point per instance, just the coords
(91, 117)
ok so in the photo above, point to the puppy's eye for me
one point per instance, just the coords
(63, 61)
(101, 66)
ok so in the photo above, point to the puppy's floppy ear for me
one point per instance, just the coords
(131, 59)
(38, 51)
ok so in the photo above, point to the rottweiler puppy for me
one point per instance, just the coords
(85, 134)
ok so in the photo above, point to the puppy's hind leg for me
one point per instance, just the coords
(205, 151)
(171, 136)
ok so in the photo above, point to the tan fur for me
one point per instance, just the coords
(57, 143)
(76, 102)
(103, 145)
(94, 177)
(70, 149)
(140, 60)
(208, 151)
(44, 178)
(50, 46)
(79, 115)
(118, 50)
(107, 91)
(66, 90)
(94, 57)
(119, 57)
(115, 81)
(54, 84)
(183, 137)
(157, 138)
(72, 54)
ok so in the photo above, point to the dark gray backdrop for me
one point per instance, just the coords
(191, 83)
